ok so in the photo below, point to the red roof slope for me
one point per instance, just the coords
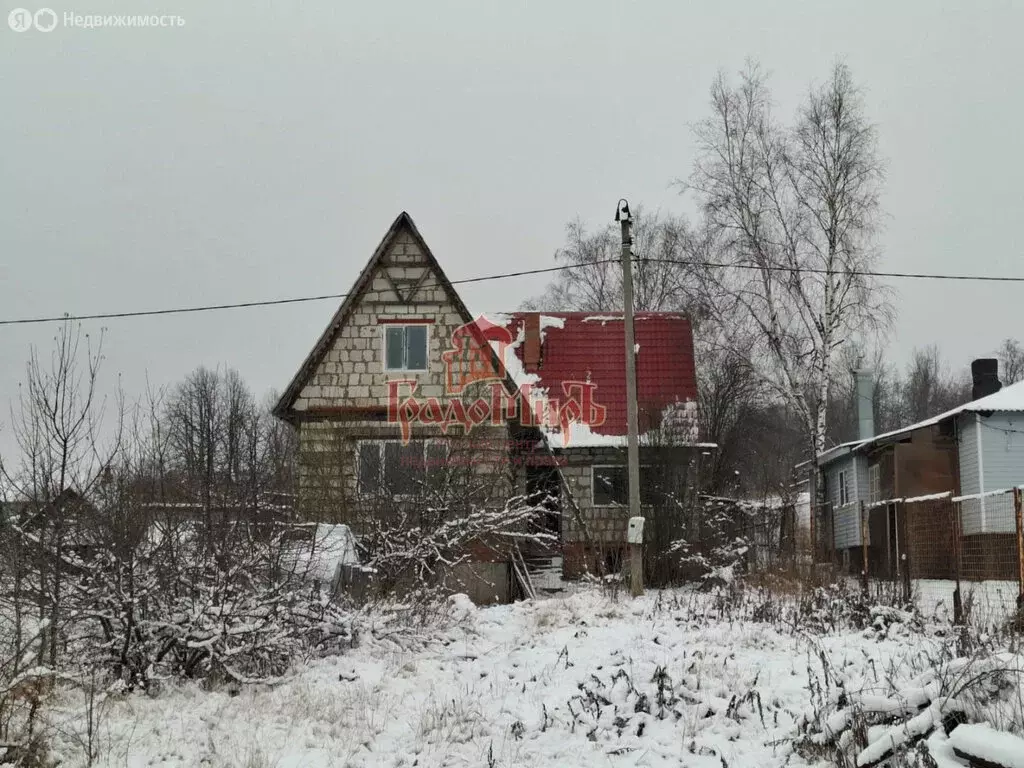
(583, 346)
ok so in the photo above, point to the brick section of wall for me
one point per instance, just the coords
(352, 372)
(606, 524)
(352, 376)
(327, 466)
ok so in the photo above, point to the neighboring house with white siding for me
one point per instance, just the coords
(969, 451)
(845, 474)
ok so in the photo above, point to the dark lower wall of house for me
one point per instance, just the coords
(484, 583)
(849, 560)
(580, 559)
(328, 468)
(607, 524)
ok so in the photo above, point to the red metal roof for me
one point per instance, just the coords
(584, 346)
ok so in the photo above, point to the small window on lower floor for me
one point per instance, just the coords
(394, 468)
(611, 485)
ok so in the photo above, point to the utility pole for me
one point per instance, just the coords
(625, 219)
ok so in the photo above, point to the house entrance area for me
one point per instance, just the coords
(887, 537)
(544, 488)
(544, 562)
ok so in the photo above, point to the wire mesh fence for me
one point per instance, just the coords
(988, 537)
(947, 546)
(718, 535)
(931, 536)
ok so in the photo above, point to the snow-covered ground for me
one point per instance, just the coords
(989, 602)
(578, 680)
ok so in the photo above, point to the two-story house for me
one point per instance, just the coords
(406, 386)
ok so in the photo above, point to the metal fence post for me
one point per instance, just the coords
(958, 605)
(864, 545)
(902, 562)
(1018, 513)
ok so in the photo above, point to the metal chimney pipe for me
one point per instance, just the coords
(865, 388)
(985, 377)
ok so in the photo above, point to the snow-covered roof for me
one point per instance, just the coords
(770, 501)
(580, 347)
(834, 452)
(330, 547)
(582, 436)
(1008, 399)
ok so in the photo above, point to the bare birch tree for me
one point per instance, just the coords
(58, 428)
(666, 278)
(1011, 361)
(662, 275)
(791, 215)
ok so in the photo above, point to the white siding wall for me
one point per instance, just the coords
(846, 519)
(844, 464)
(1002, 451)
(847, 526)
(970, 477)
(970, 516)
(863, 492)
(968, 454)
(1002, 466)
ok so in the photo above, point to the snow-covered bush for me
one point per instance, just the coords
(722, 544)
(412, 547)
(234, 608)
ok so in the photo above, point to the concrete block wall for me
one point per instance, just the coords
(606, 525)
(352, 373)
(328, 466)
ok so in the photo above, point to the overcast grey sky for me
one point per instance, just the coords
(262, 149)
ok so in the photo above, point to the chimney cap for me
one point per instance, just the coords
(986, 366)
(985, 377)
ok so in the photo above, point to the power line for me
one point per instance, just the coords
(506, 275)
(175, 311)
(268, 302)
(841, 272)
(526, 272)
